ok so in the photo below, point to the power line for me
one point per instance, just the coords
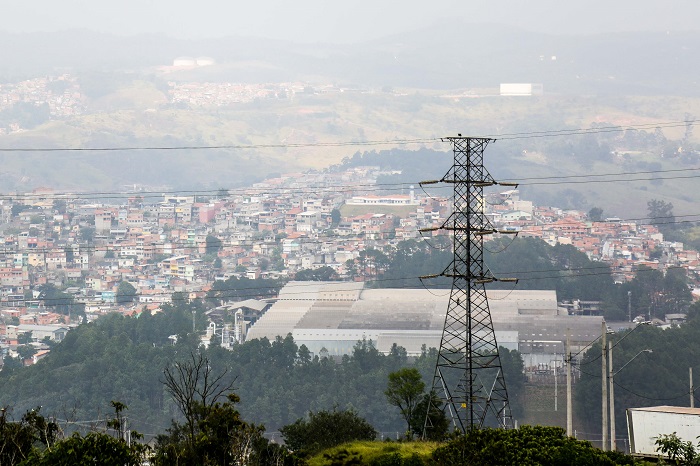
(584, 131)
(649, 397)
(249, 191)
(224, 147)
(662, 178)
(592, 175)
(335, 188)
(317, 239)
(502, 136)
(251, 294)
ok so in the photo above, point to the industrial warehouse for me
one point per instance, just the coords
(332, 316)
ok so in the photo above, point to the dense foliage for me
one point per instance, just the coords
(539, 266)
(123, 358)
(19, 438)
(405, 391)
(93, 448)
(324, 429)
(528, 445)
(239, 289)
(656, 378)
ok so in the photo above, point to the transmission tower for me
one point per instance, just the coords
(468, 380)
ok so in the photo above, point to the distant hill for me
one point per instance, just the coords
(282, 136)
(426, 84)
(448, 55)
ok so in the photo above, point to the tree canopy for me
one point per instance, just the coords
(531, 445)
(405, 391)
(325, 429)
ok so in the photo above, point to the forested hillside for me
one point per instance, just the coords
(123, 358)
(659, 377)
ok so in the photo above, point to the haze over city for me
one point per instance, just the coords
(314, 232)
(334, 22)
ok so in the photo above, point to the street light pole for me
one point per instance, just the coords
(570, 361)
(613, 446)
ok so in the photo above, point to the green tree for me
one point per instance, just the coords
(61, 301)
(647, 289)
(93, 448)
(437, 424)
(661, 214)
(126, 293)
(213, 244)
(322, 274)
(405, 390)
(96, 448)
(195, 389)
(19, 208)
(87, 234)
(326, 429)
(531, 445)
(678, 451)
(335, 217)
(595, 214)
(18, 440)
(24, 338)
(372, 263)
(69, 255)
(26, 351)
(222, 437)
(676, 294)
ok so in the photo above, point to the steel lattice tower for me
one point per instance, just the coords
(468, 376)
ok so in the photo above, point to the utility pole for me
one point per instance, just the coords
(629, 305)
(611, 377)
(569, 414)
(556, 387)
(692, 390)
(468, 375)
(604, 377)
(613, 445)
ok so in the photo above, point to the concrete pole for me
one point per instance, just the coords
(604, 376)
(692, 390)
(569, 414)
(629, 305)
(613, 445)
(556, 387)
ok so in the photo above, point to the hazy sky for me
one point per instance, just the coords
(341, 21)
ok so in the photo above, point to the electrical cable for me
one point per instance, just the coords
(317, 283)
(223, 146)
(332, 188)
(502, 136)
(648, 397)
(307, 240)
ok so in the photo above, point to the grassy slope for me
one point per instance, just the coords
(371, 450)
